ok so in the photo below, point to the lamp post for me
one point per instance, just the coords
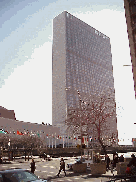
(9, 149)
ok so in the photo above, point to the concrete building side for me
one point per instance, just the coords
(59, 71)
(88, 64)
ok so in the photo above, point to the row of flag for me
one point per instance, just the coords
(49, 135)
(27, 133)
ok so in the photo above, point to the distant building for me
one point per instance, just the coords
(130, 13)
(5, 113)
(46, 132)
(134, 142)
(81, 61)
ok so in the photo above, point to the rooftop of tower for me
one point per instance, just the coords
(96, 31)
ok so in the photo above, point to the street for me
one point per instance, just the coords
(49, 169)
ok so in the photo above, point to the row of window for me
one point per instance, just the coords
(78, 40)
(73, 20)
(74, 59)
(87, 70)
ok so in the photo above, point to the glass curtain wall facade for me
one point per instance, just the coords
(83, 56)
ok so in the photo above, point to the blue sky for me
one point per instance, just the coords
(26, 56)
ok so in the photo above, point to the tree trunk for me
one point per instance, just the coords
(103, 146)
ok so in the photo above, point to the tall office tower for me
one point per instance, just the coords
(81, 61)
(130, 13)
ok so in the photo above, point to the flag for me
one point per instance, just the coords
(38, 135)
(19, 133)
(7, 132)
(1, 131)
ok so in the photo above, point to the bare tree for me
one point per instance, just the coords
(97, 112)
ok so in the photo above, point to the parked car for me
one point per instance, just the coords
(18, 175)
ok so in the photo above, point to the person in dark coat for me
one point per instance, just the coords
(121, 159)
(45, 156)
(132, 161)
(115, 161)
(0, 159)
(107, 162)
(32, 166)
(62, 166)
(132, 164)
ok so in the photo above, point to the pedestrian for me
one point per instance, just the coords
(97, 159)
(62, 166)
(0, 159)
(132, 164)
(107, 162)
(115, 161)
(32, 166)
(45, 156)
(121, 159)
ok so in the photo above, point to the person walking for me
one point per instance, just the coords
(121, 159)
(32, 166)
(132, 164)
(107, 162)
(45, 156)
(62, 166)
(115, 161)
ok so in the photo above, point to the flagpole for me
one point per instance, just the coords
(63, 141)
(52, 140)
(87, 141)
(46, 142)
(68, 138)
(49, 142)
(55, 140)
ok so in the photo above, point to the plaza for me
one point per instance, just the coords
(49, 169)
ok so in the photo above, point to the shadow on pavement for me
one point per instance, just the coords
(6, 162)
(86, 175)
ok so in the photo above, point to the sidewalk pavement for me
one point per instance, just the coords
(70, 174)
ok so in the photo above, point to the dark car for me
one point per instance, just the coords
(19, 175)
